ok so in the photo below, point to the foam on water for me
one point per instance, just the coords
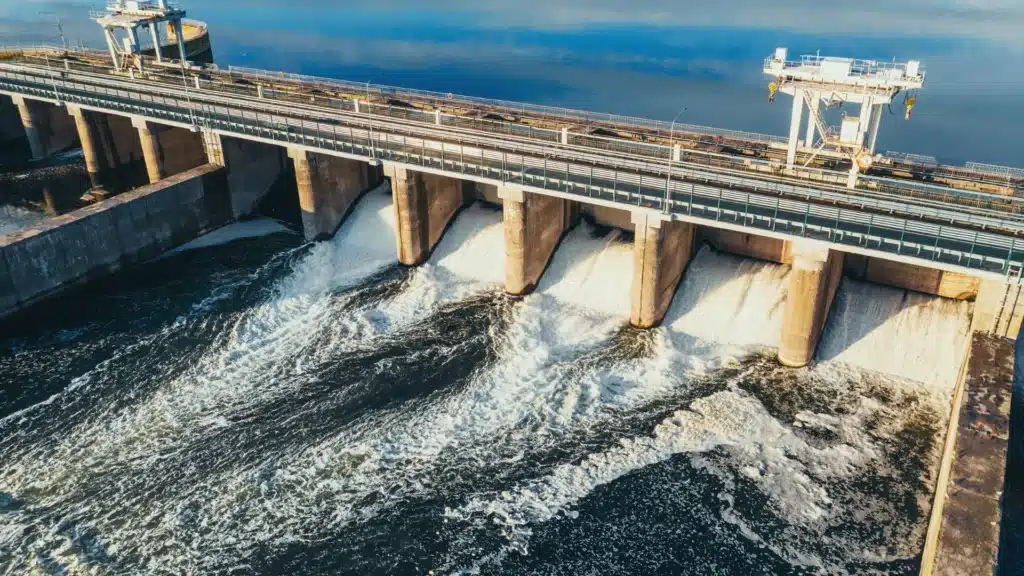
(592, 274)
(898, 332)
(232, 232)
(730, 300)
(14, 218)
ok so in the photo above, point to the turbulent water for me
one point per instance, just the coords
(267, 406)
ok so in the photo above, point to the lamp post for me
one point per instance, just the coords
(671, 159)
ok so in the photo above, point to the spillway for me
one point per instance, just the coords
(321, 397)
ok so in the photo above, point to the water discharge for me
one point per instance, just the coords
(329, 411)
(14, 218)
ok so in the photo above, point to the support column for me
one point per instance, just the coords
(410, 205)
(30, 123)
(150, 150)
(813, 282)
(90, 146)
(328, 189)
(534, 225)
(424, 205)
(794, 126)
(661, 252)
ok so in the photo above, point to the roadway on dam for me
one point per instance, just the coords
(954, 228)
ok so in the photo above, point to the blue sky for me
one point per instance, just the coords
(643, 57)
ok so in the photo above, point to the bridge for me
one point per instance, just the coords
(760, 195)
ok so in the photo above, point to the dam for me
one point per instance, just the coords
(475, 283)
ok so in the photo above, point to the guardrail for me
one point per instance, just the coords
(709, 196)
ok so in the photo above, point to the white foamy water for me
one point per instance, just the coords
(730, 300)
(232, 232)
(897, 332)
(591, 273)
(13, 218)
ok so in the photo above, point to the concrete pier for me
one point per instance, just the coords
(253, 168)
(661, 252)
(328, 188)
(30, 122)
(534, 225)
(39, 261)
(90, 145)
(150, 149)
(813, 282)
(424, 206)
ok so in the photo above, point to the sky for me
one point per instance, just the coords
(640, 57)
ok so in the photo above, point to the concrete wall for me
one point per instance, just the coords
(180, 149)
(47, 128)
(118, 151)
(11, 130)
(606, 216)
(750, 245)
(487, 193)
(964, 530)
(328, 188)
(424, 205)
(252, 168)
(910, 277)
(999, 309)
(41, 260)
(534, 225)
(444, 197)
(661, 252)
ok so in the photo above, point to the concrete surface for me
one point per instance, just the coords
(999, 309)
(424, 205)
(909, 277)
(534, 225)
(328, 188)
(813, 282)
(965, 542)
(661, 252)
(253, 168)
(749, 245)
(40, 261)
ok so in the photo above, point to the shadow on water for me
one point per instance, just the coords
(1011, 548)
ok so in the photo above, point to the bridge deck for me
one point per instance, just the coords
(950, 226)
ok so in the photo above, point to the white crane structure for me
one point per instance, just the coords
(822, 81)
(128, 16)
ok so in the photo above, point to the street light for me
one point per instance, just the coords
(671, 159)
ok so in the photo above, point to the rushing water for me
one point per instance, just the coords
(268, 406)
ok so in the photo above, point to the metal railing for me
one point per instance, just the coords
(771, 206)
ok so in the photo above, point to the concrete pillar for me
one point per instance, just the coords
(534, 225)
(424, 205)
(30, 123)
(813, 282)
(661, 252)
(328, 188)
(998, 309)
(90, 146)
(150, 150)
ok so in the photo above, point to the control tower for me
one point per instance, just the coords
(824, 81)
(121, 23)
